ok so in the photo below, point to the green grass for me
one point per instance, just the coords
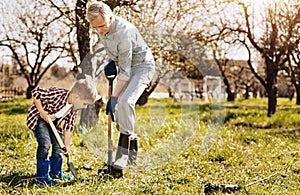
(253, 113)
(181, 150)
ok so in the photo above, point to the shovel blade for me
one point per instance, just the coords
(72, 169)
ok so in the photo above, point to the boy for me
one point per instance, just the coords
(61, 105)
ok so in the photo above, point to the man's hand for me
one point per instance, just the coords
(110, 107)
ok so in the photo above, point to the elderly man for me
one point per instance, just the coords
(127, 48)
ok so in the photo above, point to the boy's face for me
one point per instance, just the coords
(101, 24)
(80, 103)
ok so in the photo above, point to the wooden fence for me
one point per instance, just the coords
(9, 93)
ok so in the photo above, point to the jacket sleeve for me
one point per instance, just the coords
(125, 56)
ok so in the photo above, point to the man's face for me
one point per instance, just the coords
(79, 103)
(101, 24)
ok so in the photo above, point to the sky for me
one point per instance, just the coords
(8, 7)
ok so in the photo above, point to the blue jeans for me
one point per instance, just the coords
(45, 138)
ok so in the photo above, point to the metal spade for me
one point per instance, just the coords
(70, 165)
(62, 146)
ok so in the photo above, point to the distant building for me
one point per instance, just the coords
(210, 84)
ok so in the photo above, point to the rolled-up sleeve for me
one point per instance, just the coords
(36, 93)
(125, 56)
(70, 120)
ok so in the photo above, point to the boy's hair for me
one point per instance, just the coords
(96, 8)
(86, 89)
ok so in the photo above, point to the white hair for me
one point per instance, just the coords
(96, 8)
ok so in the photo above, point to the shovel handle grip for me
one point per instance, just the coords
(65, 150)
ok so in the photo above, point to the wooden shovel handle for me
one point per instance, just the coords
(58, 138)
(110, 129)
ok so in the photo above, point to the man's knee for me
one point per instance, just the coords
(125, 103)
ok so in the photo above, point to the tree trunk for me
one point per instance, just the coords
(297, 94)
(272, 101)
(247, 92)
(271, 71)
(88, 115)
(143, 99)
(230, 95)
(83, 37)
(28, 91)
(171, 92)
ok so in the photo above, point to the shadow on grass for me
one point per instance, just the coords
(292, 134)
(13, 109)
(17, 179)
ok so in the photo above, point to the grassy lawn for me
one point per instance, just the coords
(183, 146)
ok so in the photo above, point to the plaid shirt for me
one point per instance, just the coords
(53, 100)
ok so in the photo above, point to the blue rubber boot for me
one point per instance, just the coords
(56, 169)
(42, 173)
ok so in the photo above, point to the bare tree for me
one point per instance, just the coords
(273, 45)
(293, 65)
(165, 26)
(264, 29)
(35, 37)
(294, 71)
(219, 57)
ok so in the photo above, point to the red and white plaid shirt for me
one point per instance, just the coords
(53, 100)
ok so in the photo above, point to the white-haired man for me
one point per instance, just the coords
(127, 48)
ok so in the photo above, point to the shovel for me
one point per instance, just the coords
(110, 71)
(62, 146)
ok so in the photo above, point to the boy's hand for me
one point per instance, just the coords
(52, 117)
(44, 115)
(67, 141)
(67, 151)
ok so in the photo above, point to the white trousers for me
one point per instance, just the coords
(141, 75)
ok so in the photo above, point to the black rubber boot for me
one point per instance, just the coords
(107, 169)
(111, 171)
(116, 170)
(133, 150)
(116, 173)
(122, 152)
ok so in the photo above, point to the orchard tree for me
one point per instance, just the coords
(36, 38)
(219, 56)
(273, 45)
(166, 26)
(293, 65)
(294, 70)
(261, 27)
